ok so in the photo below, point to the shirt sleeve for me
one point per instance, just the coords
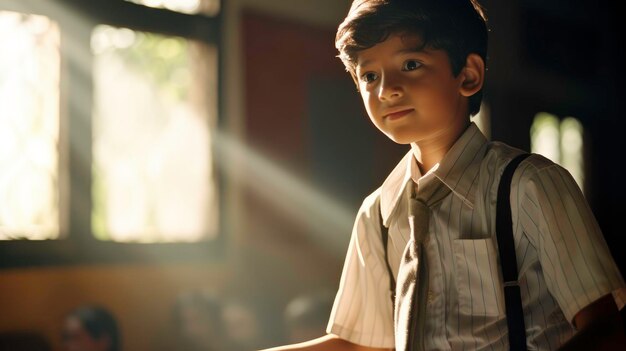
(576, 261)
(362, 312)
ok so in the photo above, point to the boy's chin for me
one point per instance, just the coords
(402, 139)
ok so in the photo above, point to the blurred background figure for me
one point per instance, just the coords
(306, 316)
(90, 328)
(242, 325)
(198, 322)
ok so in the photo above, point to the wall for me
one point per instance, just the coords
(141, 297)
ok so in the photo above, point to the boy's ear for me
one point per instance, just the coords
(473, 75)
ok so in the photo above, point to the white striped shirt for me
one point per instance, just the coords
(563, 260)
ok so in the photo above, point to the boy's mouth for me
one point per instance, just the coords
(397, 114)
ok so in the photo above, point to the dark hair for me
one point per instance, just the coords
(457, 27)
(98, 322)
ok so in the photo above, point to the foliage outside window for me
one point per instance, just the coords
(152, 178)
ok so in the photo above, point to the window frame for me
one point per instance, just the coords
(78, 244)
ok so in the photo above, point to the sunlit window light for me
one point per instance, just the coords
(572, 148)
(29, 127)
(152, 166)
(544, 136)
(561, 142)
(207, 7)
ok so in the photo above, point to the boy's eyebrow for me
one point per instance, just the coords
(410, 50)
(404, 51)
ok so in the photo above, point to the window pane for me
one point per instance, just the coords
(207, 7)
(154, 103)
(572, 149)
(544, 136)
(561, 142)
(29, 126)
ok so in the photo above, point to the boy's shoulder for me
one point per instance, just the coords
(532, 171)
(499, 154)
(371, 204)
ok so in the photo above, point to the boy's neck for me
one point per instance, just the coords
(430, 152)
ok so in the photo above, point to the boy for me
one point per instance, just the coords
(419, 67)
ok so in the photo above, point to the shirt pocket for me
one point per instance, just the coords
(478, 279)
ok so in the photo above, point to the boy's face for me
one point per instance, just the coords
(410, 95)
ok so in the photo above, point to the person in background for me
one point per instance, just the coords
(242, 322)
(306, 316)
(198, 321)
(91, 328)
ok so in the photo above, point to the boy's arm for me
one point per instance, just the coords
(326, 343)
(599, 327)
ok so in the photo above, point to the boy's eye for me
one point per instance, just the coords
(411, 65)
(369, 77)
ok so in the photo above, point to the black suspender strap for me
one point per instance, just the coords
(384, 231)
(506, 252)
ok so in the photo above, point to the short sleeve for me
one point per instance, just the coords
(574, 256)
(362, 311)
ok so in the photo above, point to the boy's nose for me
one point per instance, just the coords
(389, 90)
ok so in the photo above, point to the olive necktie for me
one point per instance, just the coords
(412, 283)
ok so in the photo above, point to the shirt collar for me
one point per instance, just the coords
(458, 170)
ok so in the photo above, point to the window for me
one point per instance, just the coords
(29, 126)
(152, 179)
(108, 109)
(210, 8)
(561, 141)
